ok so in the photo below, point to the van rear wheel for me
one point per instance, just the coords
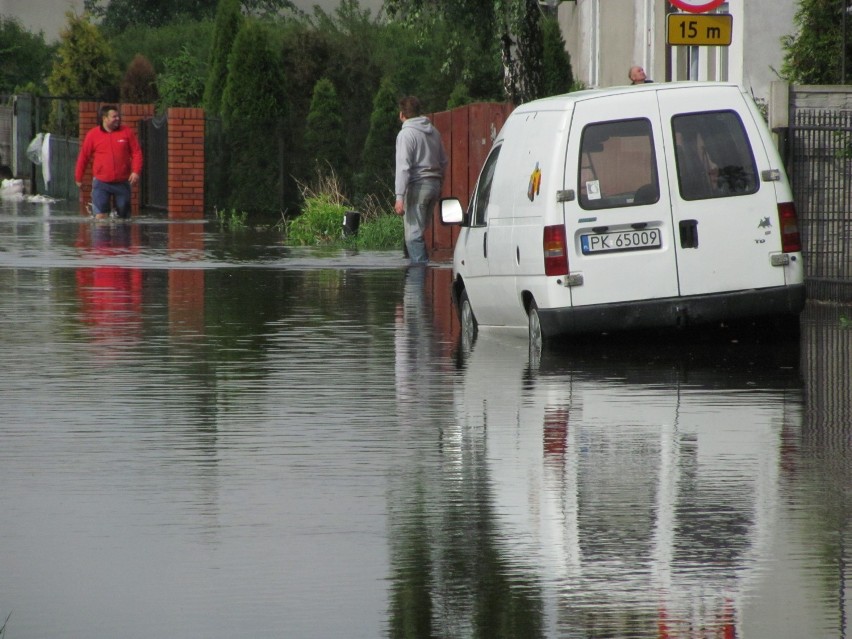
(536, 336)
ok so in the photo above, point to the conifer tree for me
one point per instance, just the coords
(84, 67)
(377, 160)
(227, 25)
(556, 63)
(325, 139)
(254, 108)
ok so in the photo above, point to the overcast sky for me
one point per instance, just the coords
(49, 15)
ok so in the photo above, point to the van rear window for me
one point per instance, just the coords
(713, 155)
(617, 165)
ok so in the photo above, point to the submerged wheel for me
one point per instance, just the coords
(536, 336)
(467, 320)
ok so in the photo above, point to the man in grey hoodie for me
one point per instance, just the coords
(420, 165)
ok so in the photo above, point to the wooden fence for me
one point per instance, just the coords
(468, 133)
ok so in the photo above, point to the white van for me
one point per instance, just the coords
(632, 207)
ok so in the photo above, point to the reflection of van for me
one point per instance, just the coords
(639, 486)
(643, 206)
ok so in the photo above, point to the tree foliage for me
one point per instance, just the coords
(228, 22)
(84, 67)
(813, 54)
(26, 56)
(140, 82)
(254, 109)
(116, 16)
(340, 46)
(182, 82)
(501, 35)
(159, 44)
(522, 51)
(377, 160)
(558, 76)
(324, 134)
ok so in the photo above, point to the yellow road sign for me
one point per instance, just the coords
(712, 30)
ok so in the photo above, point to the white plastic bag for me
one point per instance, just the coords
(34, 149)
(12, 189)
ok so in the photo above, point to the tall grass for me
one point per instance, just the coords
(320, 222)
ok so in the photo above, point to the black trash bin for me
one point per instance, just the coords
(351, 222)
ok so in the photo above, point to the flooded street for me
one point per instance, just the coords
(208, 434)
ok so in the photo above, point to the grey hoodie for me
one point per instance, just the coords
(419, 154)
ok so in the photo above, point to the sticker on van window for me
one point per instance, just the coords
(535, 183)
(593, 190)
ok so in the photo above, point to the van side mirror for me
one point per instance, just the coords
(451, 211)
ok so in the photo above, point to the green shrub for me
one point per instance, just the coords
(380, 233)
(321, 222)
(182, 82)
(139, 85)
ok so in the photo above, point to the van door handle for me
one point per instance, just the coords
(485, 244)
(688, 233)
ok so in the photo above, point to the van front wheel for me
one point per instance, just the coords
(467, 319)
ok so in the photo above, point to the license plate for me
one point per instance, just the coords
(621, 241)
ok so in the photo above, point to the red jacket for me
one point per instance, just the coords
(117, 154)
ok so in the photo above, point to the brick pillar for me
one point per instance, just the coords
(186, 163)
(88, 119)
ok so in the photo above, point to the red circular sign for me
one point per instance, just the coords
(696, 6)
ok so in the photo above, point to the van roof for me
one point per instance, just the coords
(567, 100)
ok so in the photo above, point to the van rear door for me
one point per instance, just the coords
(619, 224)
(726, 219)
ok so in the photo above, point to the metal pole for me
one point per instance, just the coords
(843, 47)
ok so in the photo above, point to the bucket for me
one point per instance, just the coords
(351, 222)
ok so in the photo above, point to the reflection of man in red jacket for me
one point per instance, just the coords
(117, 163)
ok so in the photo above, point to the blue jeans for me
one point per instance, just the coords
(420, 199)
(103, 191)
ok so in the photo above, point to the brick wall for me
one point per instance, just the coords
(185, 160)
(186, 163)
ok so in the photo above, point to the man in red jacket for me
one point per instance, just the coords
(117, 163)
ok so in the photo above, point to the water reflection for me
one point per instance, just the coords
(110, 293)
(617, 496)
(188, 419)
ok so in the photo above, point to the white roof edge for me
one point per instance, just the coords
(566, 100)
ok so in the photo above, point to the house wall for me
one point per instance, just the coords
(605, 37)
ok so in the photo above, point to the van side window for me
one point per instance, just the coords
(713, 155)
(478, 211)
(618, 166)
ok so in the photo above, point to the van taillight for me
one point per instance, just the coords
(555, 251)
(789, 221)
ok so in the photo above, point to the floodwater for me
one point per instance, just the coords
(208, 434)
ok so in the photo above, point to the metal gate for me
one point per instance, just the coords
(154, 139)
(821, 175)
